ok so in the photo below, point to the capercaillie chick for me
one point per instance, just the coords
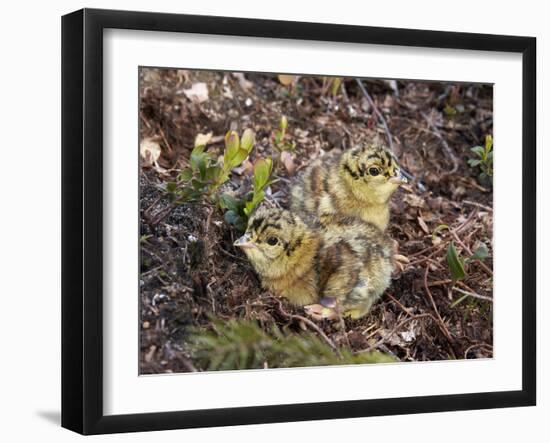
(358, 182)
(348, 261)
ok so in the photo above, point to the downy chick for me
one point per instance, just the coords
(348, 262)
(359, 183)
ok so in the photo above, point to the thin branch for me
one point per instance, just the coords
(430, 296)
(407, 311)
(165, 140)
(310, 324)
(394, 330)
(377, 112)
(469, 251)
(473, 294)
(444, 143)
(478, 205)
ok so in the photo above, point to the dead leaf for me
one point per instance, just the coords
(287, 80)
(423, 225)
(458, 192)
(150, 151)
(321, 120)
(227, 93)
(203, 139)
(243, 82)
(414, 200)
(198, 93)
(410, 335)
(183, 76)
(288, 161)
(150, 353)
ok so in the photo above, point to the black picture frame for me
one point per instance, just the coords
(82, 215)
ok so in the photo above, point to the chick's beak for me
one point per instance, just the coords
(399, 179)
(244, 242)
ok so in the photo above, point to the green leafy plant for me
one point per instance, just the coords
(262, 174)
(450, 111)
(483, 159)
(238, 210)
(241, 344)
(333, 84)
(206, 174)
(457, 263)
(280, 140)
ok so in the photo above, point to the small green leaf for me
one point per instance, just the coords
(247, 140)
(171, 187)
(474, 162)
(478, 150)
(184, 195)
(481, 253)
(231, 145)
(283, 124)
(185, 175)
(144, 238)
(262, 171)
(278, 137)
(439, 229)
(230, 217)
(202, 167)
(458, 301)
(488, 142)
(257, 198)
(239, 157)
(197, 155)
(336, 82)
(455, 263)
(212, 173)
(197, 184)
(449, 110)
(196, 195)
(229, 202)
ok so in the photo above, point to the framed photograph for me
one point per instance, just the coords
(270, 221)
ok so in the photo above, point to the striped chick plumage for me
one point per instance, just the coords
(348, 261)
(357, 183)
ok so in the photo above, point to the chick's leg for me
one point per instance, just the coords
(329, 298)
(335, 284)
(399, 261)
(359, 300)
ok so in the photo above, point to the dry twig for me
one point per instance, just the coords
(310, 323)
(430, 296)
(444, 143)
(473, 294)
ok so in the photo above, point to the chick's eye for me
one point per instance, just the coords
(374, 171)
(272, 241)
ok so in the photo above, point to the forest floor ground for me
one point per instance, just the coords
(190, 270)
